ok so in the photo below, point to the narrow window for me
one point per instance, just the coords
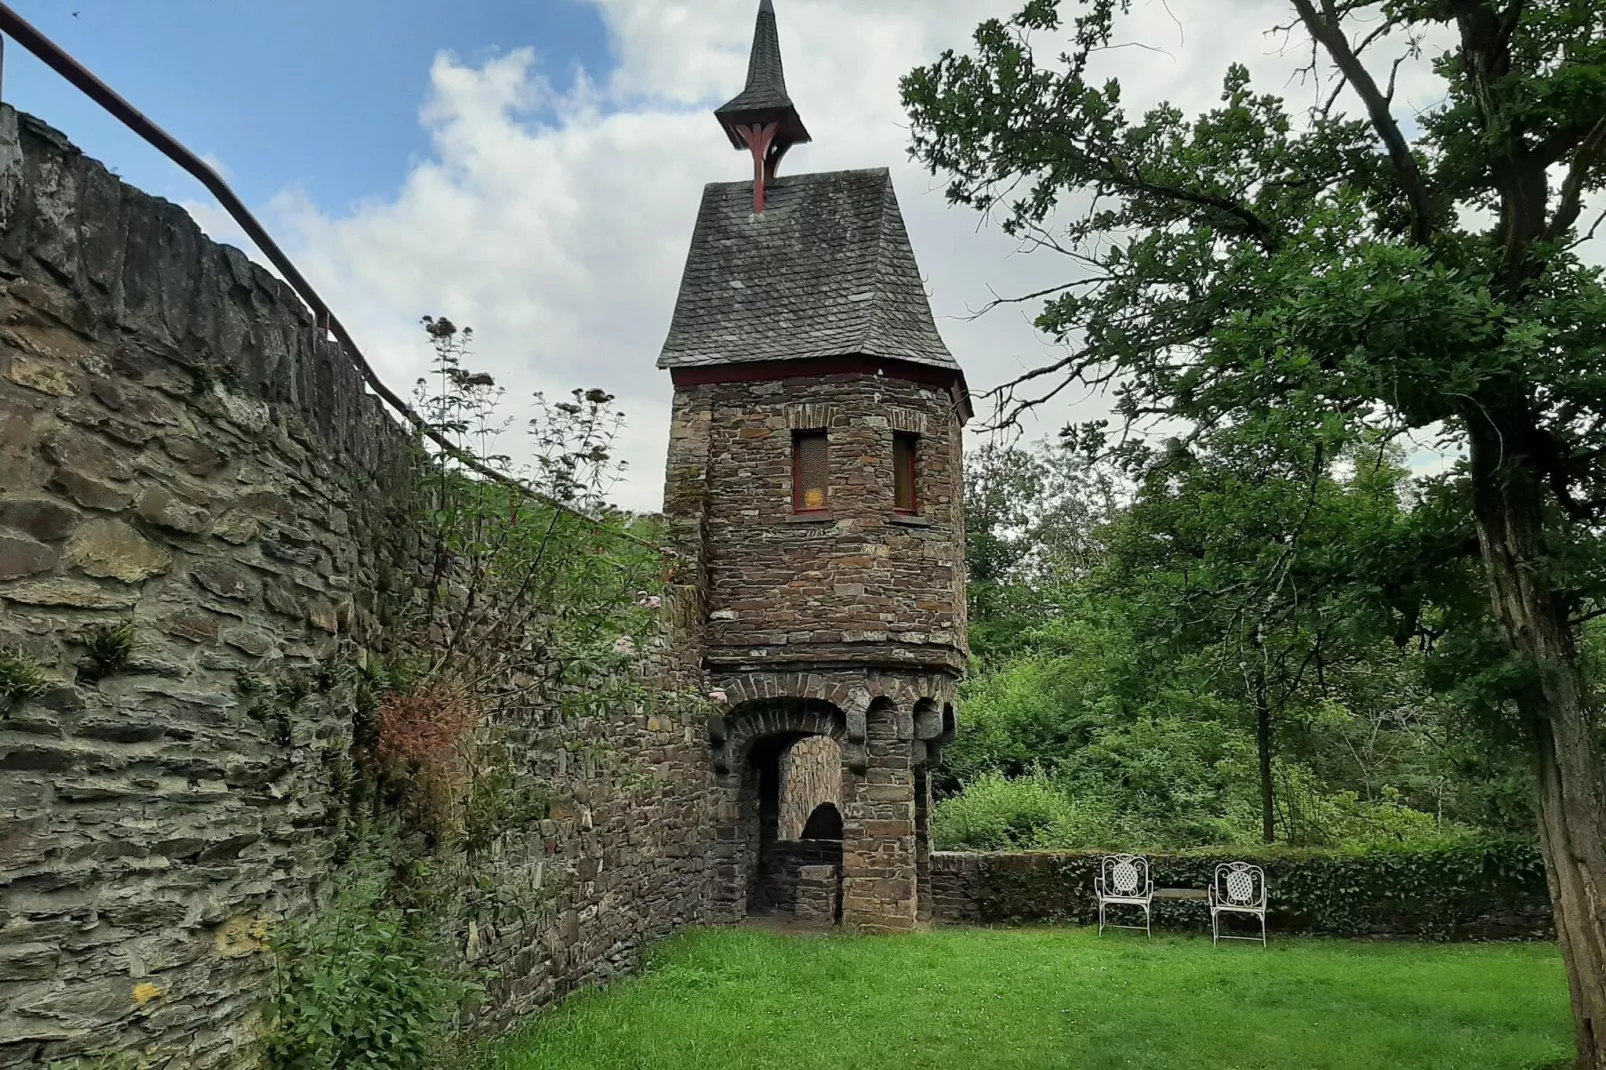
(904, 497)
(810, 472)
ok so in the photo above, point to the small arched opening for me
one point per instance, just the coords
(825, 823)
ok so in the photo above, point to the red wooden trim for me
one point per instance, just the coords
(758, 140)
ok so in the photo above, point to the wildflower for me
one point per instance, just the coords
(718, 695)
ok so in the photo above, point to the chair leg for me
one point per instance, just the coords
(1215, 929)
(1101, 917)
(1263, 930)
(1147, 925)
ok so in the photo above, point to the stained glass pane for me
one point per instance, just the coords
(903, 473)
(811, 473)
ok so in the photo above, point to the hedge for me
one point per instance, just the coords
(1456, 890)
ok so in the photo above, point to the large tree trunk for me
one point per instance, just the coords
(1508, 504)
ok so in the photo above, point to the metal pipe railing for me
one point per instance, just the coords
(58, 60)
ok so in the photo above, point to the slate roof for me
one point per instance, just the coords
(826, 271)
(766, 82)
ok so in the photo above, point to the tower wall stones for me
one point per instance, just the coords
(177, 449)
(854, 617)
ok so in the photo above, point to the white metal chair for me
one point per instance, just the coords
(1239, 888)
(1123, 880)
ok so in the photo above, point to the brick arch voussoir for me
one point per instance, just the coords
(753, 719)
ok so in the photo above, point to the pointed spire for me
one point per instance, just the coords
(761, 118)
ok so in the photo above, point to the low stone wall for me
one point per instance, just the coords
(780, 869)
(1475, 891)
(179, 452)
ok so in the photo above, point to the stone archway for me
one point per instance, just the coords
(761, 747)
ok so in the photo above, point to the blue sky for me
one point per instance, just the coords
(321, 95)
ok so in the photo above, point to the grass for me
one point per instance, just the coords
(986, 999)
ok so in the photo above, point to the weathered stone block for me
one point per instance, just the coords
(66, 591)
(44, 376)
(43, 518)
(85, 453)
(111, 549)
(92, 493)
(226, 580)
(198, 457)
(22, 556)
(160, 507)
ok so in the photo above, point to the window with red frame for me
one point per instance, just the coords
(905, 494)
(811, 472)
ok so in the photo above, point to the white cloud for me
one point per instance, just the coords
(556, 223)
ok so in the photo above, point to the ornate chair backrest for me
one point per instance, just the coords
(1126, 875)
(1239, 884)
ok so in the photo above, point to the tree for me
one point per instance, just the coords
(1247, 551)
(1033, 523)
(1239, 266)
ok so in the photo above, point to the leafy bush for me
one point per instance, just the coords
(359, 984)
(1137, 789)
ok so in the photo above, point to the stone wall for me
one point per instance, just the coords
(1470, 891)
(859, 582)
(179, 451)
(776, 883)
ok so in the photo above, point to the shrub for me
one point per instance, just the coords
(1157, 802)
(1021, 813)
(422, 742)
(359, 983)
(1467, 888)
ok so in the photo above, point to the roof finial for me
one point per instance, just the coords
(761, 118)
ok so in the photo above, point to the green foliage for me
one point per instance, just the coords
(1160, 786)
(274, 701)
(1219, 583)
(108, 650)
(360, 982)
(1010, 998)
(21, 678)
(1463, 888)
(501, 796)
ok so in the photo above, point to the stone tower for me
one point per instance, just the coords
(815, 495)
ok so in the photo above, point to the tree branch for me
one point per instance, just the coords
(1572, 187)
(1330, 33)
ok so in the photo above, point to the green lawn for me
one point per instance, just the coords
(957, 999)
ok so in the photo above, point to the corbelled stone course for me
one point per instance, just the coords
(179, 449)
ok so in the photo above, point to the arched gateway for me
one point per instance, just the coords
(815, 497)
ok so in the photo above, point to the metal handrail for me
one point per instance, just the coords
(58, 60)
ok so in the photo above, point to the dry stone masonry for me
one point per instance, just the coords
(179, 451)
